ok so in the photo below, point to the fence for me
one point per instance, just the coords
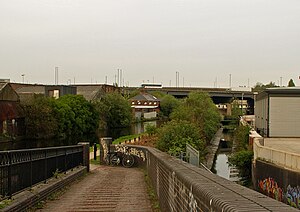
(20, 169)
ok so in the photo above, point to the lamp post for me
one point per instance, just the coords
(23, 75)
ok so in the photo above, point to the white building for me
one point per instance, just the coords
(277, 112)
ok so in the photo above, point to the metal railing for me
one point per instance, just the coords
(20, 169)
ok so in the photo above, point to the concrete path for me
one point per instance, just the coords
(213, 148)
(105, 188)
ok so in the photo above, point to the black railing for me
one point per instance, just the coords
(20, 169)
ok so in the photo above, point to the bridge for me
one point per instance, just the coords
(179, 186)
(218, 95)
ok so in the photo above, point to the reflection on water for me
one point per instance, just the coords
(223, 169)
(135, 128)
(29, 144)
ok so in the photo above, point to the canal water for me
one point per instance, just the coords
(135, 128)
(221, 165)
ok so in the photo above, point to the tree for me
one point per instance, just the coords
(167, 104)
(76, 116)
(199, 109)
(291, 83)
(40, 121)
(115, 111)
(174, 135)
(261, 87)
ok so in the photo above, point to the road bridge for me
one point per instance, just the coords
(218, 95)
(179, 187)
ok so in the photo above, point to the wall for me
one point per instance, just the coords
(285, 159)
(284, 117)
(183, 187)
(261, 115)
(277, 182)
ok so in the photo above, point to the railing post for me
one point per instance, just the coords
(9, 175)
(45, 181)
(66, 161)
(31, 171)
(86, 154)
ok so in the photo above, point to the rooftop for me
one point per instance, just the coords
(145, 97)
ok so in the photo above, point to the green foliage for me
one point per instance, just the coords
(69, 116)
(125, 138)
(151, 129)
(235, 111)
(241, 137)
(261, 87)
(115, 111)
(40, 118)
(5, 203)
(243, 161)
(291, 83)
(174, 135)
(199, 109)
(167, 104)
(76, 116)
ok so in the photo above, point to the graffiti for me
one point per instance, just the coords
(192, 202)
(270, 187)
(293, 196)
(132, 151)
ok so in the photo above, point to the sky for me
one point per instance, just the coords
(205, 41)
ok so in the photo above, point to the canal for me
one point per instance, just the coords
(135, 128)
(221, 165)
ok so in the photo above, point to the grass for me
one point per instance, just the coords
(151, 193)
(92, 147)
(95, 162)
(5, 203)
(125, 138)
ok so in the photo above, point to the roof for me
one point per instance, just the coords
(279, 91)
(37, 89)
(145, 97)
(89, 92)
(144, 107)
(2, 85)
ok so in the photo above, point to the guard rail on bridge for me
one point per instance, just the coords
(183, 187)
(20, 169)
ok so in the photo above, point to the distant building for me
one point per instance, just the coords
(277, 112)
(11, 117)
(93, 92)
(57, 91)
(145, 105)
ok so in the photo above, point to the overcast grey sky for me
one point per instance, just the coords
(204, 40)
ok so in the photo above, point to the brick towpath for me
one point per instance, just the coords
(106, 188)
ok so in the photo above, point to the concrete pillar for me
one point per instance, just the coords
(104, 148)
(86, 154)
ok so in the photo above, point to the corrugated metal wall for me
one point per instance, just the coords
(261, 115)
(284, 117)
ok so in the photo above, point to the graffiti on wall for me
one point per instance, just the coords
(131, 150)
(270, 187)
(293, 196)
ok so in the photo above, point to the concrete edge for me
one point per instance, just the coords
(29, 198)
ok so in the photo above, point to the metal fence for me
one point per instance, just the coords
(20, 169)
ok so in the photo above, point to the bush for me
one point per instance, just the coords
(174, 135)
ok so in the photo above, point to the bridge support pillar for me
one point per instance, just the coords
(104, 148)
